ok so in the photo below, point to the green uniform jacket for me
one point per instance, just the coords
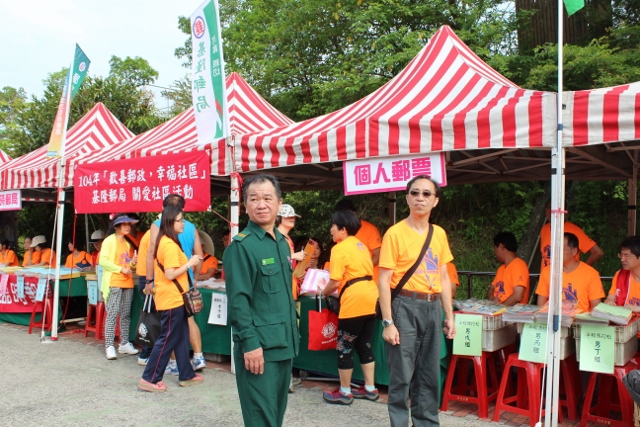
(260, 305)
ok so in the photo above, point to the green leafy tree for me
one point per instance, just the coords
(12, 102)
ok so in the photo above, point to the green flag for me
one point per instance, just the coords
(573, 6)
(80, 68)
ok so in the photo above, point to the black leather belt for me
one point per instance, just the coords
(419, 295)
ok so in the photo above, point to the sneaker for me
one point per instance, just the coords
(172, 370)
(128, 348)
(111, 353)
(198, 363)
(142, 362)
(197, 379)
(363, 393)
(337, 397)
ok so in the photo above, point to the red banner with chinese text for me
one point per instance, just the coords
(10, 299)
(141, 184)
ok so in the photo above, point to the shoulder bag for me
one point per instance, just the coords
(395, 291)
(193, 302)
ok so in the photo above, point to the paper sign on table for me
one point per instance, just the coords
(597, 347)
(533, 343)
(468, 339)
(218, 313)
(40, 290)
(20, 284)
(92, 288)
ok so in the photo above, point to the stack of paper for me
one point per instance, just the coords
(569, 311)
(521, 313)
(589, 319)
(618, 315)
(481, 307)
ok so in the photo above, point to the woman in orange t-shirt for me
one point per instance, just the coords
(8, 257)
(77, 258)
(351, 271)
(31, 256)
(170, 269)
(46, 255)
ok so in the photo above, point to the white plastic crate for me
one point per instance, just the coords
(496, 339)
(622, 352)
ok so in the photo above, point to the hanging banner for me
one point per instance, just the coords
(10, 200)
(141, 184)
(208, 89)
(75, 77)
(19, 294)
(382, 174)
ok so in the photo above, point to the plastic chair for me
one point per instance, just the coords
(484, 366)
(46, 307)
(96, 314)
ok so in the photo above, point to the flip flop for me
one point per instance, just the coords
(151, 387)
(193, 381)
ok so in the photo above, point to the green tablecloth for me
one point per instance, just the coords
(216, 339)
(326, 362)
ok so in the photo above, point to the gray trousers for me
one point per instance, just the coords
(414, 364)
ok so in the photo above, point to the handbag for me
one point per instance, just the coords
(193, 302)
(395, 291)
(323, 329)
(333, 303)
(148, 329)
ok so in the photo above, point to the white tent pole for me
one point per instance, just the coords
(234, 197)
(59, 223)
(554, 319)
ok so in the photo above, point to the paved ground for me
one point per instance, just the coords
(70, 383)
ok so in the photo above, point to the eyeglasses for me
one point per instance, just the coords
(180, 220)
(425, 193)
(625, 256)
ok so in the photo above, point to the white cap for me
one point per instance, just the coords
(38, 240)
(96, 236)
(286, 211)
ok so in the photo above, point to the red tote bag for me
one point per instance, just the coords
(323, 330)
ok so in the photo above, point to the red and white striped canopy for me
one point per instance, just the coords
(4, 157)
(600, 116)
(97, 129)
(248, 112)
(446, 99)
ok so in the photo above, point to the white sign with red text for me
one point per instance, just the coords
(10, 200)
(381, 174)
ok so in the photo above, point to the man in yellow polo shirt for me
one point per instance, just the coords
(412, 321)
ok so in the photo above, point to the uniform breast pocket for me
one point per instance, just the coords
(271, 278)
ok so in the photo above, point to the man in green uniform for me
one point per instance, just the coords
(260, 305)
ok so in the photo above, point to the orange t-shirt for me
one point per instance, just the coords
(584, 242)
(401, 246)
(48, 254)
(453, 274)
(81, 258)
(209, 262)
(33, 257)
(581, 285)
(633, 297)
(134, 240)
(351, 259)
(510, 276)
(370, 236)
(143, 249)
(10, 259)
(170, 256)
(123, 258)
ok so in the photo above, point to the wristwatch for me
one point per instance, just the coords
(387, 323)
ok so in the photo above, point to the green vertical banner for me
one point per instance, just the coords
(597, 349)
(573, 6)
(75, 77)
(468, 339)
(208, 90)
(533, 343)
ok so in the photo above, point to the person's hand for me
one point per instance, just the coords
(148, 289)
(298, 256)
(610, 301)
(195, 260)
(134, 260)
(254, 361)
(125, 270)
(391, 335)
(449, 328)
(313, 263)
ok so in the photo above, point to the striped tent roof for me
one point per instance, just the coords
(248, 112)
(4, 157)
(446, 99)
(97, 129)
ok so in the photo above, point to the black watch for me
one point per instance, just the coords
(149, 282)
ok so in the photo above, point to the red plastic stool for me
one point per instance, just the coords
(600, 413)
(46, 309)
(570, 386)
(96, 314)
(484, 366)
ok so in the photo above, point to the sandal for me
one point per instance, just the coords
(151, 387)
(197, 379)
